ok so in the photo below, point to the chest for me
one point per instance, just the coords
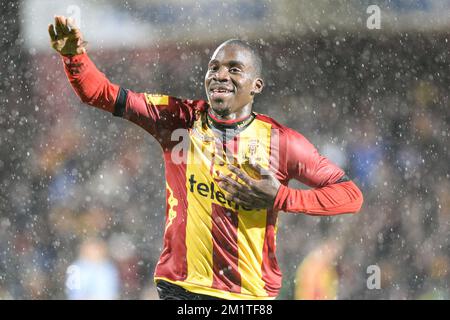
(211, 152)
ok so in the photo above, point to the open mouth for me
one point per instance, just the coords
(220, 93)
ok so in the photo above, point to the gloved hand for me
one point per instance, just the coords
(65, 37)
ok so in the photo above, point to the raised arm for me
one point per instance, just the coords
(88, 82)
(157, 114)
(333, 192)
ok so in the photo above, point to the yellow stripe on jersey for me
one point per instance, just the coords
(157, 99)
(252, 224)
(199, 244)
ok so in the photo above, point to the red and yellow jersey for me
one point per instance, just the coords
(213, 246)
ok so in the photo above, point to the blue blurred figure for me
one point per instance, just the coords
(93, 276)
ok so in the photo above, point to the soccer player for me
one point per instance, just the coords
(227, 172)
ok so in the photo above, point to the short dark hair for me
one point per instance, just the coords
(256, 58)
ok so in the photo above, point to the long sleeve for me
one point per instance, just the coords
(158, 114)
(333, 199)
(89, 83)
(333, 193)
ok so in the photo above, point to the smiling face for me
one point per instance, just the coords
(232, 80)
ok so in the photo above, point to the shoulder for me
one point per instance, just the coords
(198, 105)
(285, 132)
(198, 108)
(161, 100)
(180, 111)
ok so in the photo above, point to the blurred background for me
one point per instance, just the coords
(82, 193)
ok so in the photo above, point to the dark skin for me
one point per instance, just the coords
(257, 193)
(231, 84)
(65, 37)
(232, 69)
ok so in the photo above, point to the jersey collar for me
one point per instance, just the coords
(235, 124)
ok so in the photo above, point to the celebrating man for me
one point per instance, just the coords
(227, 172)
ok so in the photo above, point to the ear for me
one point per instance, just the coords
(258, 85)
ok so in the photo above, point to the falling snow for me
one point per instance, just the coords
(78, 185)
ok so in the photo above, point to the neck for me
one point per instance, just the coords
(236, 119)
(231, 118)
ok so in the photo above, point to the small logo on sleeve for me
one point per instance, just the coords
(157, 99)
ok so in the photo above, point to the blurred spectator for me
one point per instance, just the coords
(93, 275)
(317, 277)
(123, 251)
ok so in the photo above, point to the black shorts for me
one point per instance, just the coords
(170, 291)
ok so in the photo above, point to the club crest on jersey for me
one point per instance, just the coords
(252, 151)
